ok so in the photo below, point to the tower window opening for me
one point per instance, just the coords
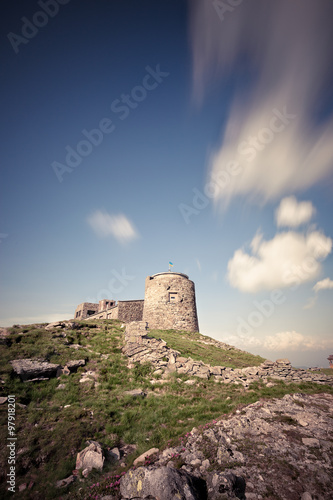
(173, 297)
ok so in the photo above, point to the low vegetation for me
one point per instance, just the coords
(53, 425)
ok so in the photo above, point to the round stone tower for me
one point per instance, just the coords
(170, 302)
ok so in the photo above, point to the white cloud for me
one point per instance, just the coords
(292, 213)
(294, 341)
(198, 264)
(325, 284)
(271, 131)
(287, 259)
(117, 226)
(281, 341)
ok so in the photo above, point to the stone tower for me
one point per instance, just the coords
(170, 302)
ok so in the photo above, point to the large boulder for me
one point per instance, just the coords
(91, 457)
(30, 369)
(162, 483)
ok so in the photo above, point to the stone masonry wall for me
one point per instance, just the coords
(130, 310)
(140, 349)
(170, 302)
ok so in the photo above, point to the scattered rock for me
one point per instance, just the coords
(55, 324)
(3, 400)
(89, 376)
(62, 483)
(75, 364)
(226, 486)
(306, 496)
(5, 337)
(135, 393)
(145, 455)
(75, 346)
(113, 455)
(191, 381)
(312, 442)
(70, 367)
(128, 449)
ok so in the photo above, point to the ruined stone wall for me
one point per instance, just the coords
(140, 348)
(113, 313)
(105, 304)
(170, 302)
(81, 312)
(130, 310)
(125, 310)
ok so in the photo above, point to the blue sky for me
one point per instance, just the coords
(138, 133)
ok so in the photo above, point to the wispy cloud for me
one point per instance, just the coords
(293, 213)
(272, 130)
(311, 302)
(325, 284)
(118, 226)
(198, 264)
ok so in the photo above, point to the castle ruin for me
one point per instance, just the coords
(169, 303)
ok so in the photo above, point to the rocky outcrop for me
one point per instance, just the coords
(278, 449)
(141, 348)
(35, 370)
(163, 483)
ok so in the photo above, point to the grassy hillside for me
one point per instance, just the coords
(52, 424)
(196, 346)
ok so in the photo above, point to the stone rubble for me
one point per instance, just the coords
(140, 348)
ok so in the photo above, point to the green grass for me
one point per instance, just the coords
(191, 345)
(325, 371)
(49, 436)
